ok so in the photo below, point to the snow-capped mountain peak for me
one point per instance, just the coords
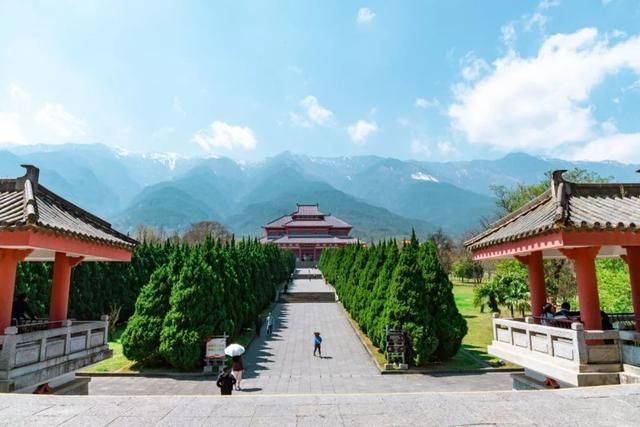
(421, 176)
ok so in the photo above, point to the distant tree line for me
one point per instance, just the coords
(203, 289)
(402, 288)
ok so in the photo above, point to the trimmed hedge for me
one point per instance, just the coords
(403, 288)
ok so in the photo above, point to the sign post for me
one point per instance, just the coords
(214, 353)
(395, 349)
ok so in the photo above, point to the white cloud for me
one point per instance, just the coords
(508, 32)
(298, 120)
(10, 131)
(19, 94)
(361, 130)
(426, 103)
(623, 147)
(365, 15)
(605, 3)
(420, 147)
(536, 20)
(224, 135)
(548, 4)
(62, 123)
(541, 102)
(316, 112)
(473, 66)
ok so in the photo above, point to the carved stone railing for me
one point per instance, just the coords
(630, 347)
(558, 353)
(33, 358)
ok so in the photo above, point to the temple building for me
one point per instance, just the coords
(307, 231)
(38, 225)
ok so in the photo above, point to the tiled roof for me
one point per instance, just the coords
(311, 240)
(308, 210)
(25, 204)
(567, 206)
(315, 218)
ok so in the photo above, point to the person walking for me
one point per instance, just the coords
(269, 324)
(317, 344)
(237, 368)
(226, 382)
(258, 325)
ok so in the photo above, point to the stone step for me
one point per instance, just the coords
(630, 369)
(601, 367)
(309, 297)
(626, 378)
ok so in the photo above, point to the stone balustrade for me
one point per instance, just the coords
(573, 356)
(34, 358)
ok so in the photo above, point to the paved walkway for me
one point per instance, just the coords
(284, 361)
(613, 406)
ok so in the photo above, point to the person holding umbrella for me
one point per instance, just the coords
(237, 367)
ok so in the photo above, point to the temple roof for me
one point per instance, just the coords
(308, 216)
(311, 240)
(25, 204)
(567, 206)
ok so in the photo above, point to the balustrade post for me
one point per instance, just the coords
(579, 343)
(67, 339)
(529, 321)
(8, 352)
(43, 349)
(494, 326)
(105, 319)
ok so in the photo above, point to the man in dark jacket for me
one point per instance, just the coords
(21, 310)
(226, 381)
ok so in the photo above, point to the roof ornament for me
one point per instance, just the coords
(559, 190)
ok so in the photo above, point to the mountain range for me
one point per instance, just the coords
(380, 197)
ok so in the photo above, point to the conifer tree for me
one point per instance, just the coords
(197, 310)
(448, 324)
(405, 308)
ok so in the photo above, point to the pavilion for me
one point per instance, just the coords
(307, 231)
(580, 222)
(38, 225)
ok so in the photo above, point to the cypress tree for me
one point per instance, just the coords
(405, 308)
(449, 325)
(196, 312)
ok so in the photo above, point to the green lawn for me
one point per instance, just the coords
(479, 324)
(118, 363)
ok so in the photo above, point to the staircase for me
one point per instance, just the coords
(630, 374)
(307, 297)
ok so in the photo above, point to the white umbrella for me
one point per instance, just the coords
(234, 350)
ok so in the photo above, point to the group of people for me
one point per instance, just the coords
(231, 377)
(550, 315)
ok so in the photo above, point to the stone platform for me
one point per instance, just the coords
(606, 405)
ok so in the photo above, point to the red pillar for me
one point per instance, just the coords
(9, 259)
(632, 258)
(585, 261)
(535, 269)
(60, 288)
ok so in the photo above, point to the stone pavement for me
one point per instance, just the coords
(284, 361)
(607, 405)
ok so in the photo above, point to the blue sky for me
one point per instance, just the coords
(430, 80)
